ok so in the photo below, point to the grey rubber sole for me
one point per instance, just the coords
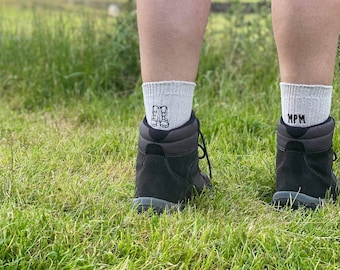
(157, 205)
(295, 200)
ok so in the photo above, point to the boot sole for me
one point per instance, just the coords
(296, 200)
(143, 204)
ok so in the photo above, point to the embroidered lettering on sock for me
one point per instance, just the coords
(296, 118)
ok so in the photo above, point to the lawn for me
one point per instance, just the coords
(70, 107)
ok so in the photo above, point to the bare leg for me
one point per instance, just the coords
(306, 34)
(171, 34)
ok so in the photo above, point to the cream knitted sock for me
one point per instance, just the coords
(305, 105)
(168, 104)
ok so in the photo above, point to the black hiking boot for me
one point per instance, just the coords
(304, 174)
(167, 171)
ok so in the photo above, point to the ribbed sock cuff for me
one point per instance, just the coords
(305, 105)
(168, 104)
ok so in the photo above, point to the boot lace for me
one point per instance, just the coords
(204, 150)
(335, 156)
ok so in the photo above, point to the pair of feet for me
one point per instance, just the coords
(168, 174)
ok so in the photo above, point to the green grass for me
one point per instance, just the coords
(68, 138)
(71, 4)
